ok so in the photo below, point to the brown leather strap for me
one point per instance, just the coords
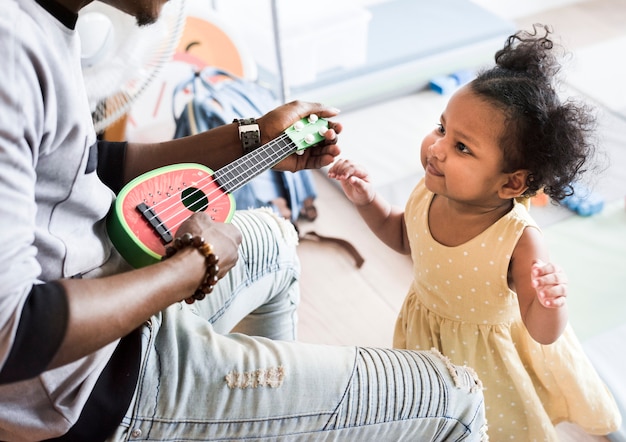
(358, 259)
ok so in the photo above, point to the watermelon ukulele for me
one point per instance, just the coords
(149, 209)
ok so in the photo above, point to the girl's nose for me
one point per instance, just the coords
(437, 150)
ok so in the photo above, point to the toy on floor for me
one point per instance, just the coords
(584, 202)
(445, 85)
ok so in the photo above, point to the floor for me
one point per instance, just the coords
(347, 305)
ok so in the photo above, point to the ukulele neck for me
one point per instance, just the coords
(239, 172)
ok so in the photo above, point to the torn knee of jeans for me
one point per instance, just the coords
(272, 377)
(474, 383)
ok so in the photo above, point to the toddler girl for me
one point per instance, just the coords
(484, 291)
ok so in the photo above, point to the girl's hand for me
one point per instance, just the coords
(354, 182)
(550, 283)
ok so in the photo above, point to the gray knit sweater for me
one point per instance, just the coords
(52, 210)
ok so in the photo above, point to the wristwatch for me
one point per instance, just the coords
(249, 134)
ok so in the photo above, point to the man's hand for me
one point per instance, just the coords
(224, 237)
(276, 121)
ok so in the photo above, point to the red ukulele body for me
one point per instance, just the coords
(149, 209)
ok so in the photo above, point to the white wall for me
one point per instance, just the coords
(512, 9)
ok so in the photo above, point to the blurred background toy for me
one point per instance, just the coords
(445, 85)
(584, 202)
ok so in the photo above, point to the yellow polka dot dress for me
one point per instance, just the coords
(460, 303)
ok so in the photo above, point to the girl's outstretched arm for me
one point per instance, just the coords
(541, 288)
(386, 221)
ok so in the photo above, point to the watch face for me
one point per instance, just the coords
(251, 140)
(249, 134)
(206, 41)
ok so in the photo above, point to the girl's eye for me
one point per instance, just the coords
(441, 129)
(462, 148)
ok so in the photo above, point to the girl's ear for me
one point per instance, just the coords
(515, 185)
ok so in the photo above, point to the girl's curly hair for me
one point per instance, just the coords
(549, 138)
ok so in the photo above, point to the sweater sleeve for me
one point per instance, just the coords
(41, 329)
(110, 166)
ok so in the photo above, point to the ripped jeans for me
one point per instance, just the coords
(200, 382)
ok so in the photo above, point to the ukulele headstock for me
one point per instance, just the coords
(307, 132)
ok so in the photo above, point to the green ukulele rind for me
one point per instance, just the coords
(133, 251)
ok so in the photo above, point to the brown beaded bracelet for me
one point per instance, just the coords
(211, 260)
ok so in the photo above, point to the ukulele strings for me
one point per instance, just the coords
(221, 185)
(282, 152)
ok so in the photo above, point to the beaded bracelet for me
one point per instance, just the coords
(211, 260)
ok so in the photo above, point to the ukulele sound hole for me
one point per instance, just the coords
(194, 199)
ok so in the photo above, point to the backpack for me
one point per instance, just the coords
(219, 97)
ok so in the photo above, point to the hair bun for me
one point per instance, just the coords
(530, 53)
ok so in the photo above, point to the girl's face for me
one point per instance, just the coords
(462, 156)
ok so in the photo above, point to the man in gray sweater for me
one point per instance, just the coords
(92, 349)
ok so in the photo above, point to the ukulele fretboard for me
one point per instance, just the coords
(239, 172)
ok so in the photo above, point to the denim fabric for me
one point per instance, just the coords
(198, 382)
(260, 295)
